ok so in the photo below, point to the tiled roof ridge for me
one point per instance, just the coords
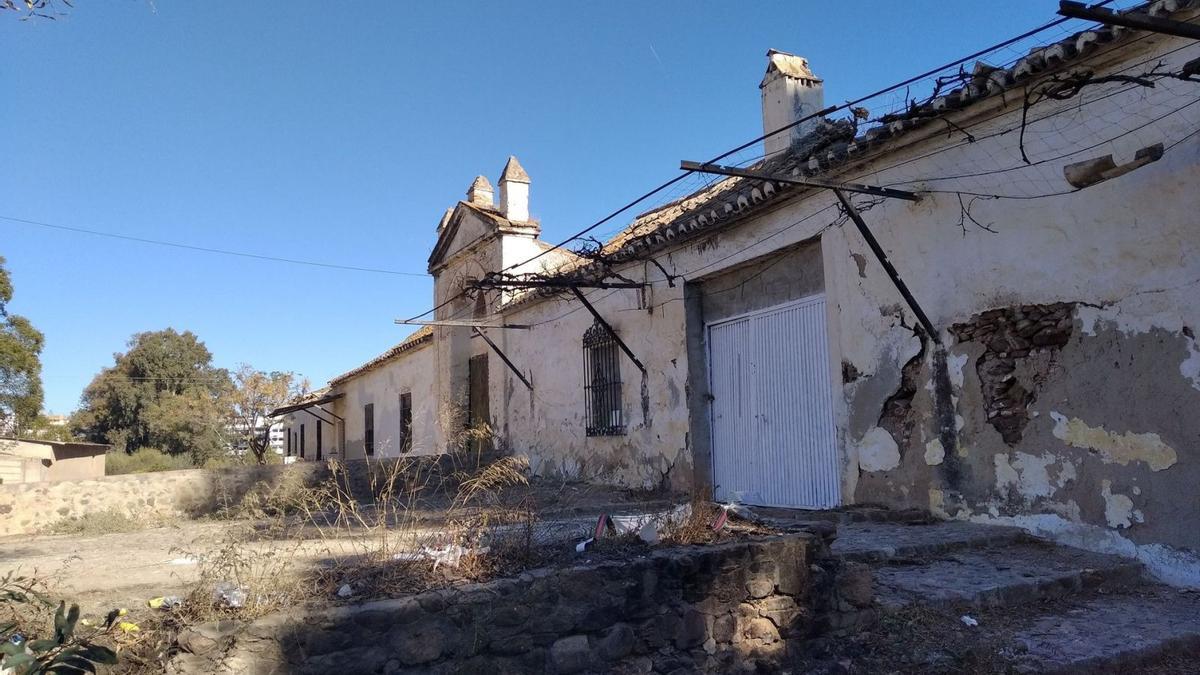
(419, 337)
(829, 147)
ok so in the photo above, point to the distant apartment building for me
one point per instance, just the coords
(262, 426)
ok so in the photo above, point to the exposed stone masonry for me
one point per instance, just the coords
(683, 610)
(897, 414)
(1009, 375)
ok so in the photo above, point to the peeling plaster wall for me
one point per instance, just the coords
(1127, 247)
(1083, 426)
(1102, 440)
(1105, 451)
(548, 423)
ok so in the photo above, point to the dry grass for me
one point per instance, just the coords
(378, 544)
(921, 639)
(701, 515)
(290, 544)
(109, 521)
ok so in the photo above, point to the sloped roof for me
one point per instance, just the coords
(421, 337)
(834, 146)
(318, 397)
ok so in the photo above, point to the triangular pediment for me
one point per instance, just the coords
(466, 225)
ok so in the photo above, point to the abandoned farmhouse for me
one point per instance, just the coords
(1000, 326)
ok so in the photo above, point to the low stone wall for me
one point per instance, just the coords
(31, 507)
(692, 609)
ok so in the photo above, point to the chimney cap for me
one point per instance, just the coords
(514, 172)
(788, 65)
(480, 192)
(480, 183)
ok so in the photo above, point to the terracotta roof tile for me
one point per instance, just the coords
(420, 337)
(833, 145)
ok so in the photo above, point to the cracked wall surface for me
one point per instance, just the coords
(1019, 348)
(1070, 332)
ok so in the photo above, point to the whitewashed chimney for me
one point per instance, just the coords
(480, 193)
(790, 91)
(514, 191)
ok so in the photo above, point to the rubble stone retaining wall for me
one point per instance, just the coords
(31, 507)
(692, 609)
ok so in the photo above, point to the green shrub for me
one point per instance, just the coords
(144, 460)
(27, 645)
(97, 523)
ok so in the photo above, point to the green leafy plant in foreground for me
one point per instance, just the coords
(65, 652)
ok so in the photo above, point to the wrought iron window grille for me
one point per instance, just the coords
(602, 382)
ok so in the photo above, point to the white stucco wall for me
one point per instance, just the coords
(548, 423)
(331, 443)
(1110, 245)
(411, 372)
(1123, 253)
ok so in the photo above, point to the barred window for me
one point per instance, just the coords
(602, 385)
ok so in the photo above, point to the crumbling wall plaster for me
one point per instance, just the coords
(1115, 448)
(935, 452)
(550, 427)
(1020, 344)
(1093, 301)
(1118, 508)
(878, 451)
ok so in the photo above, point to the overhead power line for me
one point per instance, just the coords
(208, 249)
(819, 114)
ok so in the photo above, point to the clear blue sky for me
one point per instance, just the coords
(339, 132)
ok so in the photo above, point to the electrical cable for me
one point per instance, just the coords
(206, 249)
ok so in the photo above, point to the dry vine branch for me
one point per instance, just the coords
(965, 214)
(1066, 87)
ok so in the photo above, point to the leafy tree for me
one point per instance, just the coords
(253, 396)
(42, 427)
(20, 364)
(162, 393)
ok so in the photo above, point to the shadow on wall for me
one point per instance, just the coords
(699, 609)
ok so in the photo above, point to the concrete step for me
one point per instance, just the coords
(785, 517)
(873, 541)
(1146, 629)
(996, 575)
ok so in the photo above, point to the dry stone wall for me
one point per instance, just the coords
(748, 604)
(31, 507)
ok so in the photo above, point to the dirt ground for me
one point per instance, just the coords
(113, 570)
(101, 572)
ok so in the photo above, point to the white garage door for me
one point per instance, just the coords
(772, 408)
